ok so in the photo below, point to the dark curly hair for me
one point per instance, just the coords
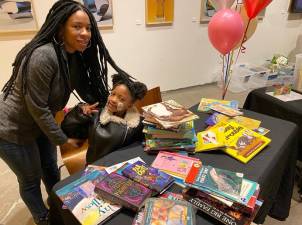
(137, 89)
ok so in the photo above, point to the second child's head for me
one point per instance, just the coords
(124, 94)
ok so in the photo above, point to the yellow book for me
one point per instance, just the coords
(210, 139)
(242, 143)
(247, 122)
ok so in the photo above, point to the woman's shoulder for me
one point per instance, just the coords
(45, 51)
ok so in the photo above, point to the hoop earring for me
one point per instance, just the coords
(56, 42)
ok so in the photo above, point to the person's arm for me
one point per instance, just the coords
(41, 70)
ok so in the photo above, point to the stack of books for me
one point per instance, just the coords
(224, 195)
(169, 126)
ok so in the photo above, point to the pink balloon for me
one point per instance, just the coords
(222, 4)
(225, 30)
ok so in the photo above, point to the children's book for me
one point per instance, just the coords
(216, 118)
(210, 139)
(150, 177)
(226, 110)
(222, 182)
(222, 213)
(79, 197)
(243, 143)
(168, 212)
(205, 103)
(115, 167)
(168, 114)
(173, 163)
(247, 122)
(122, 190)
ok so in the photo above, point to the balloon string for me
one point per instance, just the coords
(229, 72)
(222, 74)
(243, 40)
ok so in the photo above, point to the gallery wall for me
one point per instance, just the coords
(173, 56)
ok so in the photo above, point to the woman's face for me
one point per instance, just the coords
(120, 99)
(76, 32)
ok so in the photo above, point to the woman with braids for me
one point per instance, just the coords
(66, 54)
(117, 125)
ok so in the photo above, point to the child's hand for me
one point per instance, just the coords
(89, 109)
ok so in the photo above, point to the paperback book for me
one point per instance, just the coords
(150, 177)
(205, 103)
(243, 143)
(122, 190)
(166, 211)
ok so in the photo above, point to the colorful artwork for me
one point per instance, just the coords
(159, 12)
(17, 16)
(102, 12)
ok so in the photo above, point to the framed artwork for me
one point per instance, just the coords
(159, 12)
(102, 12)
(207, 10)
(17, 16)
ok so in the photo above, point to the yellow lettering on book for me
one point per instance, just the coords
(140, 170)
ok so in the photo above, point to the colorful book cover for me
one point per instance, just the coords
(172, 196)
(223, 182)
(247, 122)
(169, 212)
(168, 114)
(122, 190)
(216, 118)
(115, 167)
(79, 197)
(173, 163)
(226, 110)
(222, 213)
(242, 143)
(205, 103)
(210, 139)
(150, 177)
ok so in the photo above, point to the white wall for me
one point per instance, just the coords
(173, 56)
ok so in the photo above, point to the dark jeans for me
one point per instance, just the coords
(30, 163)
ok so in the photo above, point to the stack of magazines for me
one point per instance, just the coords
(169, 126)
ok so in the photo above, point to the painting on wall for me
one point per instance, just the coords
(159, 12)
(207, 11)
(17, 16)
(102, 12)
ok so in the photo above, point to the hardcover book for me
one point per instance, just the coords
(150, 177)
(175, 164)
(79, 197)
(122, 190)
(169, 212)
(168, 114)
(243, 143)
(223, 182)
(225, 215)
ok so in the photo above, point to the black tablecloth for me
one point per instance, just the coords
(273, 168)
(258, 101)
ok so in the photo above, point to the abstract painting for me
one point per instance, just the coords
(17, 16)
(159, 12)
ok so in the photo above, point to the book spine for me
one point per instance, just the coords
(214, 212)
(115, 199)
(191, 177)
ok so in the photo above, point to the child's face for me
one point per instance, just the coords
(120, 99)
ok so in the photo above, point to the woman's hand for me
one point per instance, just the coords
(89, 109)
(72, 142)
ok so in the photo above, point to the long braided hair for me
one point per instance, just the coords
(95, 57)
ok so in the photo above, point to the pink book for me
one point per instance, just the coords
(174, 164)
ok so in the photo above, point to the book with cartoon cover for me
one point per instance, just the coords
(226, 110)
(168, 212)
(242, 143)
(150, 177)
(210, 139)
(205, 103)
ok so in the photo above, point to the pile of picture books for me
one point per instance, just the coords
(101, 192)
(238, 136)
(168, 126)
(222, 194)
